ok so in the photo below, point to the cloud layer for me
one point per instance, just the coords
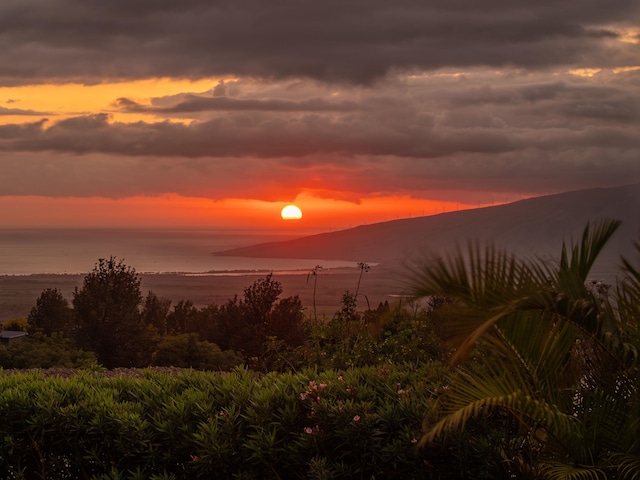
(356, 41)
(341, 99)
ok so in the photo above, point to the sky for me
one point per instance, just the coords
(217, 113)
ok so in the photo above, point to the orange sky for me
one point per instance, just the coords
(319, 215)
(177, 114)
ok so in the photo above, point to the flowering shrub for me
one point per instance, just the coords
(357, 423)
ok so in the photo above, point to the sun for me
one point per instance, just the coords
(291, 212)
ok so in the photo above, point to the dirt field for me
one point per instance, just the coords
(18, 294)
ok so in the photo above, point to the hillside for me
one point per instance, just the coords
(532, 226)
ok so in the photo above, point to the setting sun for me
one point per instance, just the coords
(291, 212)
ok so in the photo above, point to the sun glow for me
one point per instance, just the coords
(291, 212)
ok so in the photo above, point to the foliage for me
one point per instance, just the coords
(386, 335)
(183, 318)
(186, 351)
(51, 313)
(155, 311)
(358, 423)
(41, 351)
(19, 324)
(107, 316)
(271, 333)
(555, 359)
(245, 324)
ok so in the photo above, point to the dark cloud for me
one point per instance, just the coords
(431, 118)
(416, 137)
(21, 112)
(345, 99)
(333, 40)
(194, 104)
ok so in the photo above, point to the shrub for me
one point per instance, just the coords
(357, 423)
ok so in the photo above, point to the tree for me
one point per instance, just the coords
(183, 318)
(286, 321)
(107, 315)
(155, 311)
(51, 313)
(19, 324)
(244, 324)
(556, 361)
(186, 351)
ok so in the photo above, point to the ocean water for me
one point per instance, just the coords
(73, 251)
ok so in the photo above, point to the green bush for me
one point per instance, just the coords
(359, 423)
(41, 351)
(186, 351)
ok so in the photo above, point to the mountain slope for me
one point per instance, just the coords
(532, 226)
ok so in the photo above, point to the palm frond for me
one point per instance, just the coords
(564, 471)
(585, 252)
(627, 466)
(496, 386)
(483, 280)
(543, 348)
(605, 423)
(555, 353)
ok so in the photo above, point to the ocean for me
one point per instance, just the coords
(189, 251)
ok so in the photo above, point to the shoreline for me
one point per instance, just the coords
(18, 293)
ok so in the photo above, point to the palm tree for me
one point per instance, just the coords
(553, 353)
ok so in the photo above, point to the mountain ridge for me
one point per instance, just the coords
(533, 226)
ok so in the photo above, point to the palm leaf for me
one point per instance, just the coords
(488, 281)
(627, 466)
(497, 386)
(563, 471)
(585, 252)
(544, 349)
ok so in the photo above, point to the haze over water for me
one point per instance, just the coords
(73, 251)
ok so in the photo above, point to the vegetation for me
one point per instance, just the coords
(359, 423)
(555, 360)
(542, 381)
(107, 315)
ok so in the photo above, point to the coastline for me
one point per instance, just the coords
(18, 293)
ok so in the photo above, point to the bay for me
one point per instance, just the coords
(189, 251)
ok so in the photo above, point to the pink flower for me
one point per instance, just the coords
(356, 418)
(323, 386)
(414, 440)
(340, 379)
(312, 431)
(223, 414)
(194, 458)
(303, 396)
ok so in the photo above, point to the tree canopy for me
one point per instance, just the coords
(107, 315)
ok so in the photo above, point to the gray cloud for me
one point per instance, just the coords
(344, 99)
(430, 118)
(21, 112)
(355, 42)
(195, 104)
